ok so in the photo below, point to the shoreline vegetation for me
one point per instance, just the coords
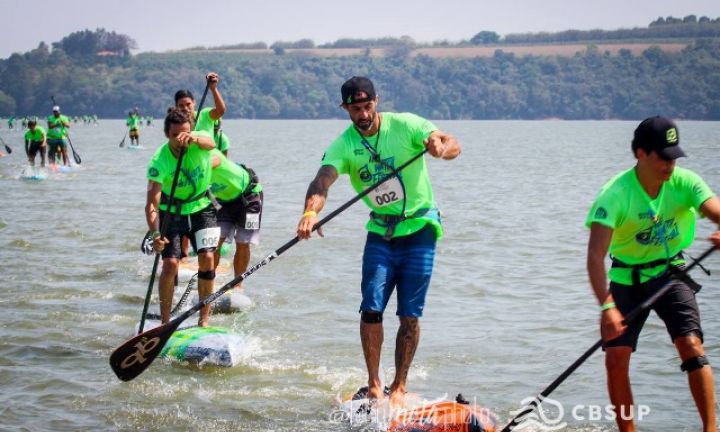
(671, 67)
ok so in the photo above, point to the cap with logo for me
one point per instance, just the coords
(357, 89)
(658, 134)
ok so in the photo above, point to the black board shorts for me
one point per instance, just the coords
(677, 308)
(187, 225)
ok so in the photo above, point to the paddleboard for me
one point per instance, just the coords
(203, 346)
(230, 302)
(419, 415)
(34, 173)
(56, 168)
(135, 147)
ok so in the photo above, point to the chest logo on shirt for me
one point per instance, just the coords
(373, 171)
(657, 234)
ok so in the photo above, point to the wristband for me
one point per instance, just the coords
(607, 306)
(310, 213)
(154, 234)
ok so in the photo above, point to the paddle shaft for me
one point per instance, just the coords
(630, 317)
(135, 355)
(122, 143)
(166, 219)
(76, 156)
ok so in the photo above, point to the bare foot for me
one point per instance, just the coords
(397, 398)
(375, 393)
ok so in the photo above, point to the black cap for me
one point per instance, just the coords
(357, 89)
(658, 134)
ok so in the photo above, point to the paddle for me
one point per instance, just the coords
(76, 156)
(134, 356)
(163, 226)
(122, 143)
(7, 147)
(628, 319)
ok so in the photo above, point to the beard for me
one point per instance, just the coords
(365, 125)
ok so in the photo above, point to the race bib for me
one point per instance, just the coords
(252, 221)
(207, 238)
(387, 193)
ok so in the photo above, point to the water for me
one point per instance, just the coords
(509, 308)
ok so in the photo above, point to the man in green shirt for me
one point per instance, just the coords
(404, 224)
(35, 141)
(56, 136)
(133, 123)
(644, 217)
(184, 100)
(191, 214)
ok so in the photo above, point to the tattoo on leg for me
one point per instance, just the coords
(405, 346)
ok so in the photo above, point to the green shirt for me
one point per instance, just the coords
(205, 122)
(222, 142)
(133, 122)
(60, 132)
(400, 138)
(229, 179)
(38, 135)
(194, 179)
(642, 226)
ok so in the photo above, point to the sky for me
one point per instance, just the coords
(161, 25)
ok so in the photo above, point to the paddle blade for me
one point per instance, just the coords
(77, 158)
(134, 356)
(8, 149)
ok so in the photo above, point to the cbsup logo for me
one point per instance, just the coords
(547, 415)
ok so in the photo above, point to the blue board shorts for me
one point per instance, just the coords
(403, 262)
(56, 145)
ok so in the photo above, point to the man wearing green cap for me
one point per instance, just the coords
(644, 217)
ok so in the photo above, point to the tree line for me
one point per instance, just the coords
(590, 85)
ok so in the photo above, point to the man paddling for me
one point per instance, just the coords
(644, 217)
(404, 224)
(57, 136)
(191, 214)
(35, 141)
(184, 100)
(206, 119)
(133, 124)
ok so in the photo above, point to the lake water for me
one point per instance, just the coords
(508, 310)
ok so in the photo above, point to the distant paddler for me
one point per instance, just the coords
(35, 141)
(133, 124)
(57, 136)
(191, 214)
(239, 192)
